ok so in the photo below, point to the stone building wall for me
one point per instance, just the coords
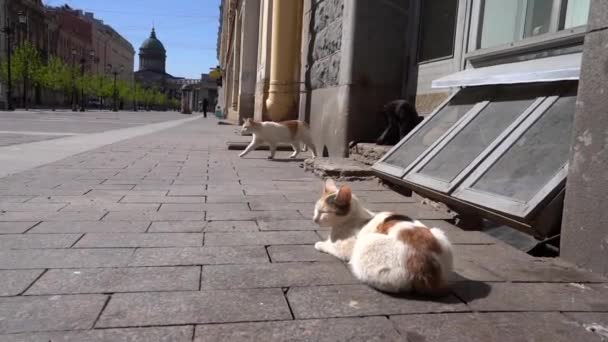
(326, 36)
(353, 62)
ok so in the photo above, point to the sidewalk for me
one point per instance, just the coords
(171, 237)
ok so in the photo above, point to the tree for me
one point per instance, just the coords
(25, 65)
(54, 75)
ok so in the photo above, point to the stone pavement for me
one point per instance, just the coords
(171, 237)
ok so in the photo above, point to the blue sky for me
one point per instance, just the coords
(187, 28)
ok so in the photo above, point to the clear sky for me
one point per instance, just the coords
(187, 28)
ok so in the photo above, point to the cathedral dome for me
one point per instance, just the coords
(153, 44)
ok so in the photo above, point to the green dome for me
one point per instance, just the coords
(152, 43)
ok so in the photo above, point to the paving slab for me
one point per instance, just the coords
(244, 199)
(16, 227)
(231, 226)
(199, 256)
(489, 327)
(222, 215)
(531, 296)
(260, 238)
(64, 258)
(177, 227)
(146, 309)
(161, 199)
(275, 275)
(48, 313)
(154, 216)
(361, 300)
(156, 334)
(288, 225)
(14, 282)
(593, 322)
(368, 329)
(90, 227)
(113, 240)
(295, 253)
(111, 280)
(37, 241)
(203, 206)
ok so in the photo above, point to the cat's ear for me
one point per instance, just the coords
(330, 186)
(344, 195)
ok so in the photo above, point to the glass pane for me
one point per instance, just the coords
(535, 157)
(538, 17)
(438, 26)
(502, 22)
(577, 13)
(475, 137)
(434, 128)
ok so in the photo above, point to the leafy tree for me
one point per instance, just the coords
(25, 66)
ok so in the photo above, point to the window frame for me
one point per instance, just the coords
(415, 176)
(510, 206)
(421, 13)
(397, 171)
(557, 30)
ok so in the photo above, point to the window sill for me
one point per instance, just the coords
(564, 38)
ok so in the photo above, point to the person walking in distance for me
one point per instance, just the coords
(205, 106)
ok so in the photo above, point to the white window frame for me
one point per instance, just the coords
(416, 176)
(556, 32)
(397, 171)
(520, 209)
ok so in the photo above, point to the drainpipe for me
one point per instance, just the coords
(284, 59)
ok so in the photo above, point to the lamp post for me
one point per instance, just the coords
(74, 53)
(83, 61)
(115, 71)
(9, 84)
(23, 23)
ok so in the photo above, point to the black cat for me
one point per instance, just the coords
(401, 118)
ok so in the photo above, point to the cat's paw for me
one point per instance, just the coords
(270, 157)
(319, 246)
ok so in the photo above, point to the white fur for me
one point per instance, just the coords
(376, 259)
(274, 133)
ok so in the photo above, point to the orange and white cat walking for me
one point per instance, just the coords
(293, 132)
(390, 252)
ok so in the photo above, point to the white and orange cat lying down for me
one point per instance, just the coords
(389, 252)
(293, 132)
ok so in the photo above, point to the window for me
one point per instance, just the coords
(446, 165)
(577, 13)
(529, 165)
(437, 29)
(503, 148)
(503, 22)
(404, 155)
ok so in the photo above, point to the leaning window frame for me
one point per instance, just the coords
(511, 206)
(400, 172)
(415, 176)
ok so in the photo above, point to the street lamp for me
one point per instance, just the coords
(83, 61)
(22, 17)
(74, 53)
(9, 84)
(115, 71)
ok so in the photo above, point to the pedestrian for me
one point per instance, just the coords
(205, 106)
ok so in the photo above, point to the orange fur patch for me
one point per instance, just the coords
(390, 221)
(426, 271)
(292, 125)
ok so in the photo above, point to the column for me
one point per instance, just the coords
(284, 60)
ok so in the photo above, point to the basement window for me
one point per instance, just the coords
(530, 165)
(498, 148)
(477, 136)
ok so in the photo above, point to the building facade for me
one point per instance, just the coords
(512, 93)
